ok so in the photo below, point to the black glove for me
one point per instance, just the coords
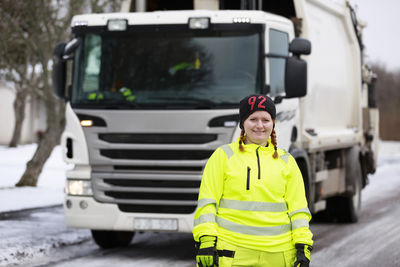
(207, 255)
(303, 255)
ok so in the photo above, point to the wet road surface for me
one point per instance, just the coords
(40, 238)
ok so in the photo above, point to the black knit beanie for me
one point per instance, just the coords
(253, 103)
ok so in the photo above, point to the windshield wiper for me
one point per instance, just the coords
(205, 103)
(105, 105)
(188, 102)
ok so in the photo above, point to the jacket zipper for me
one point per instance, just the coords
(248, 179)
(258, 164)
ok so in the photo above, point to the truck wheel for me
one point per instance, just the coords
(112, 239)
(347, 208)
(351, 205)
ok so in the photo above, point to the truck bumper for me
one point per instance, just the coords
(85, 212)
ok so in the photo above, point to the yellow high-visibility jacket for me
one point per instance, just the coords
(252, 200)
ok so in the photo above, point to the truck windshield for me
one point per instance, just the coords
(166, 70)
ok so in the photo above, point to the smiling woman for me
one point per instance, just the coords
(252, 209)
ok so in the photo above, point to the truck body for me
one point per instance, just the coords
(153, 94)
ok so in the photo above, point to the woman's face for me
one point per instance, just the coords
(258, 127)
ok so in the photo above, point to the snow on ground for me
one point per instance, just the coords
(49, 190)
(388, 170)
(51, 182)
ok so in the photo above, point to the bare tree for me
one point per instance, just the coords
(17, 68)
(34, 27)
(388, 97)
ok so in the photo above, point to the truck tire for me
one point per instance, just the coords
(352, 204)
(303, 163)
(112, 239)
(347, 208)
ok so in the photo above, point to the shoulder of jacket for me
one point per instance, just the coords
(284, 155)
(227, 149)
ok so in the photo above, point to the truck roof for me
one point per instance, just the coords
(176, 17)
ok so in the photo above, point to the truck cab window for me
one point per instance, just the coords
(278, 44)
(87, 69)
(92, 63)
(174, 69)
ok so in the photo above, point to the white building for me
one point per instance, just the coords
(34, 122)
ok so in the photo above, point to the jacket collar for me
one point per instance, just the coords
(254, 147)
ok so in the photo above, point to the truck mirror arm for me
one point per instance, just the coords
(274, 55)
(70, 48)
(278, 99)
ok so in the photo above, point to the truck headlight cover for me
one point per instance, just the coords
(199, 23)
(78, 188)
(86, 123)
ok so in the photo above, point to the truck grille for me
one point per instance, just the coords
(143, 154)
(157, 209)
(158, 168)
(149, 138)
(138, 164)
(152, 196)
(149, 192)
(151, 183)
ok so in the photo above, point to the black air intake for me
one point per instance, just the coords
(150, 138)
(142, 154)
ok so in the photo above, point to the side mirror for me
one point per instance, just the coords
(296, 68)
(62, 53)
(300, 46)
(59, 71)
(295, 77)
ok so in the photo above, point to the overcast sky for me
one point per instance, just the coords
(382, 34)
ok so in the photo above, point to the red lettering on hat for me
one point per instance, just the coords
(263, 99)
(252, 101)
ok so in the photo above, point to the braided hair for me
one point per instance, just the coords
(242, 140)
(274, 143)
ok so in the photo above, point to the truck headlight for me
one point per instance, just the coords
(86, 123)
(117, 24)
(78, 188)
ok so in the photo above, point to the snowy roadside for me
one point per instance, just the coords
(387, 173)
(49, 190)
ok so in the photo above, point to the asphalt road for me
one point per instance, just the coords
(40, 238)
(374, 241)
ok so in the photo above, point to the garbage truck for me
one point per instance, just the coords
(150, 95)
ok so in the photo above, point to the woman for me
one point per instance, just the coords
(252, 209)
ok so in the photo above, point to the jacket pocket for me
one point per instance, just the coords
(248, 179)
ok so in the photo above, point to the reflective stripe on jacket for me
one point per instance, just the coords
(253, 200)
